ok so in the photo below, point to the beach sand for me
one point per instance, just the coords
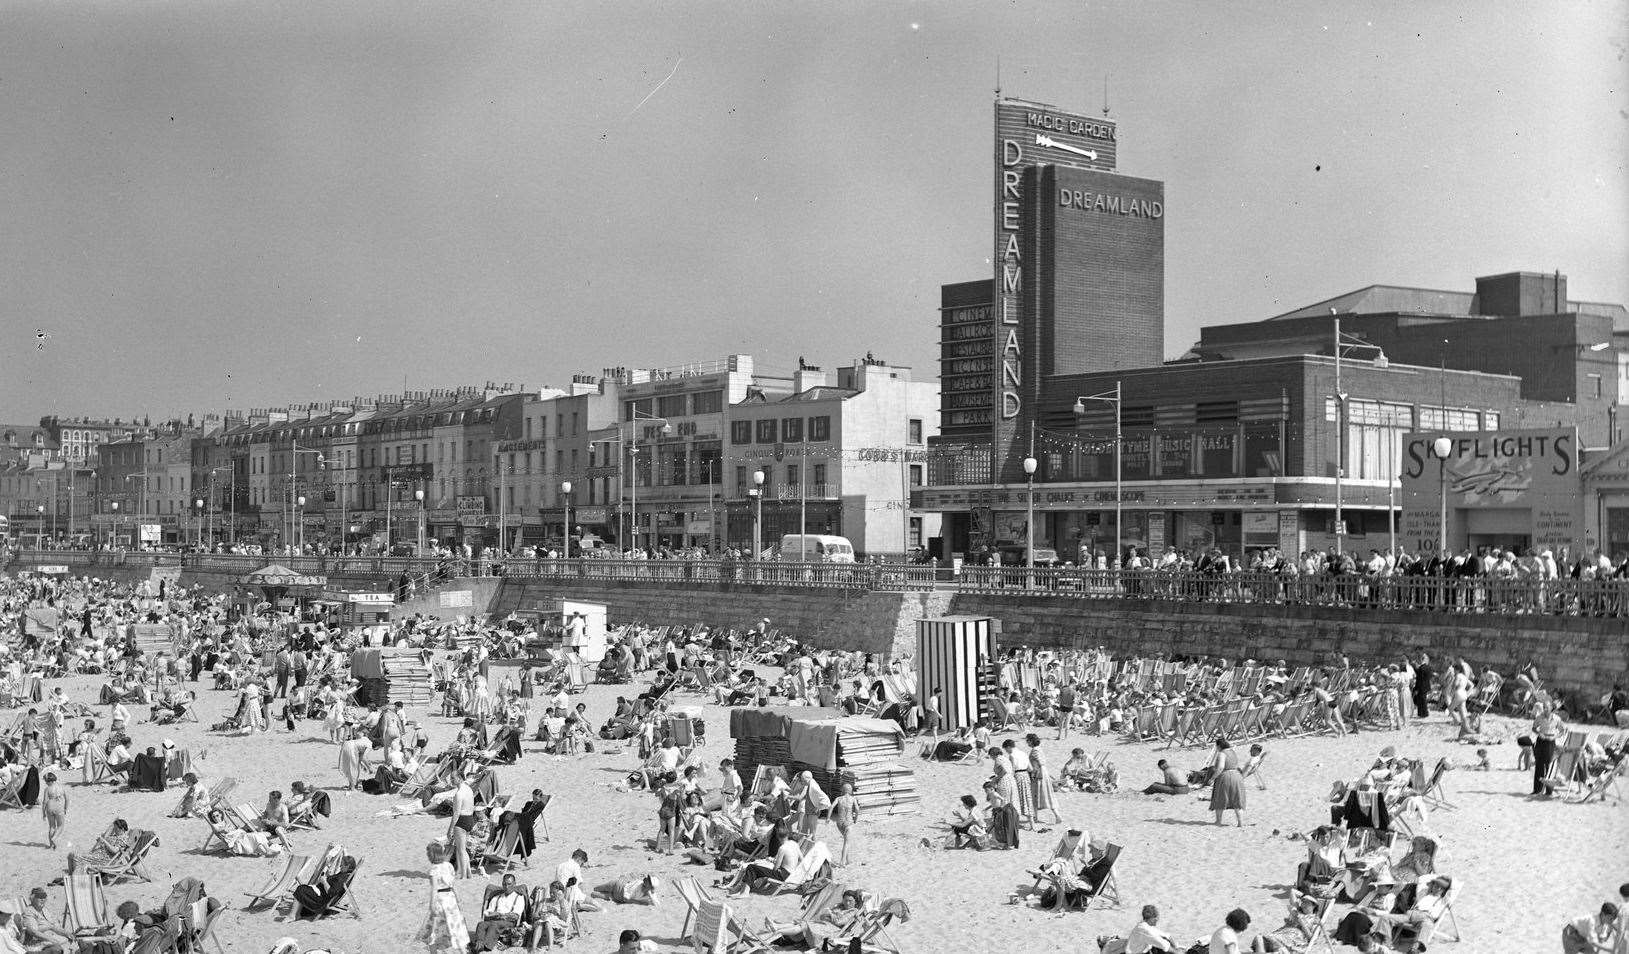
(1525, 866)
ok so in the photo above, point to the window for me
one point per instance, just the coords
(916, 531)
(766, 431)
(670, 405)
(818, 473)
(792, 475)
(916, 475)
(820, 428)
(542, 426)
(528, 428)
(792, 429)
(740, 432)
(573, 460)
(1490, 421)
(573, 423)
(914, 433)
(742, 481)
(707, 402)
(1594, 384)
(634, 410)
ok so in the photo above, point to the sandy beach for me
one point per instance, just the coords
(1525, 865)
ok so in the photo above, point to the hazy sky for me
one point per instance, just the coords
(212, 205)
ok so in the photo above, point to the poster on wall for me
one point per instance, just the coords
(1524, 483)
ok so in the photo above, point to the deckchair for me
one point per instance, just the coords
(343, 902)
(85, 913)
(502, 850)
(1602, 783)
(814, 859)
(1068, 846)
(97, 757)
(1254, 723)
(1407, 932)
(720, 932)
(422, 776)
(11, 796)
(221, 791)
(693, 894)
(1320, 931)
(872, 927)
(295, 871)
(815, 907)
(1433, 792)
(244, 817)
(132, 865)
(1108, 889)
(1183, 727)
(203, 921)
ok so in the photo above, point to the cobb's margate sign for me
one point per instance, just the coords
(1509, 489)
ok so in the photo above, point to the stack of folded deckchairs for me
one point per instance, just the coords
(870, 759)
(388, 677)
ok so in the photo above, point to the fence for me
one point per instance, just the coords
(1408, 593)
(1421, 594)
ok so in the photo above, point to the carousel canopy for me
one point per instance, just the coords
(276, 574)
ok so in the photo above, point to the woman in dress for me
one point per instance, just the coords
(87, 739)
(250, 716)
(1003, 825)
(445, 917)
(1227, 790)
(1040, 781)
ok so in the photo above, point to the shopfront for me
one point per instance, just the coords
(1606, 502)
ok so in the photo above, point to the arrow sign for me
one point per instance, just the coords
(1041, 140)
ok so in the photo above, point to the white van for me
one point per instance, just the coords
(816, 548)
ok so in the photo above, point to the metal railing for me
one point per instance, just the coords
(1417, 594)
(1566, 597)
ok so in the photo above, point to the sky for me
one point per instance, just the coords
(216, 205)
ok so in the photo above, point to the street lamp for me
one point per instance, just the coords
(757, 494)
(1030, 464)
(1442, 447)
(633, 452)
(112, 532)
(565, 491)
(1110, 397)
(41, 509)
(419, 496)
(299, 523)
(198, 521)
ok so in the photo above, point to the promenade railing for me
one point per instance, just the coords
(1423, 594)
(1409, 593)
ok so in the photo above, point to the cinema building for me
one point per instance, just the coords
(1263, 434)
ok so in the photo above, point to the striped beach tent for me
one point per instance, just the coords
(948, 656)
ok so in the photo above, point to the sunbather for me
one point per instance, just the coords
(813, 932)
(110, 846)
(629, 890)
(1072, 886)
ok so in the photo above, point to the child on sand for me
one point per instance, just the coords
(845, 811)
(1482, 763)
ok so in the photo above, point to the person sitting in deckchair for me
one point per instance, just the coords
(194, 801)
(506, 918)
(1295, 935)
(1074, 886)
(812, 933)
(245, 844)
(110, 846)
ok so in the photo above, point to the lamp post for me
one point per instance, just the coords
(757, 493)
(41, 509)
(198, 522)
(419, 496)
(565, 535)
(1442, 447)
(390, 492)
(112, 532)
(1030, 464)
(633, 452)
(299, 523)
(1110, 397)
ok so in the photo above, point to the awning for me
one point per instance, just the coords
(276, 574)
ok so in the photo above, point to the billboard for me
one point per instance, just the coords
(1500, 486)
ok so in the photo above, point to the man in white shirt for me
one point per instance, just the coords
(570, 874)
(1144, 937)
